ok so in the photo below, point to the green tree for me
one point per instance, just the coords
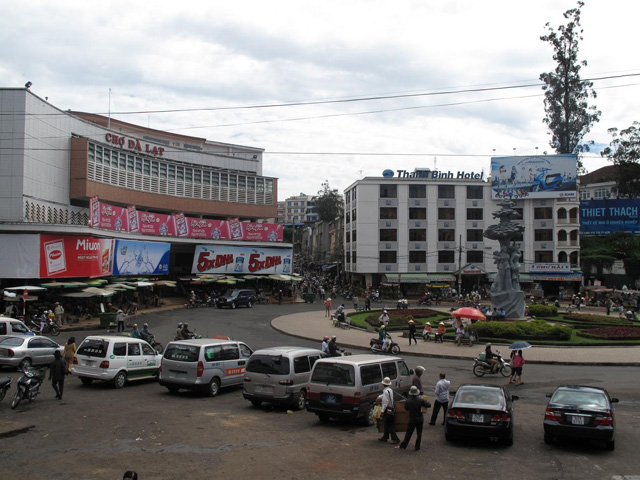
(566, 95)
(624, 152)
(328, 203)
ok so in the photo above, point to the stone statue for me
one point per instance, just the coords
(505, 292)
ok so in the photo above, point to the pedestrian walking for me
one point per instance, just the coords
(416, 381)
(57, 372)
(69, 353)
(388, 413)
(414, 405)
(120, 320)
(516, 366)
(367, 303)
(327, 307)
(59, 312)
(442, 399)
(412, 332)
(355, 302)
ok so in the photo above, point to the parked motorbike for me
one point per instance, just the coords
(391, 346)
(50, 327)
(262, 300)
(28, 386)
(375, 297)
(480, 367)
(5, 384)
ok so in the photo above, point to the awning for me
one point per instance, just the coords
(557, 277)
(441, 277)
(419, 277)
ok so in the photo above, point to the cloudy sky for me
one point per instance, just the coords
(208, 59)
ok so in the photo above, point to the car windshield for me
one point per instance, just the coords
(12, 342)
(94, 348)
(182, 353)
(333, 374)
(479, 396)
(581, 398)
(232, 293)
(269, 364)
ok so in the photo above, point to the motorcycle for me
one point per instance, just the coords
(480, 367)
(28, 386)
(262, 300)
(50, 327)
(375, 297)
(424, 300)
(5, 384)
(542, 181)
(157, 346)
(391, 346)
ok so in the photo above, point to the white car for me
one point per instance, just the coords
(116, 359)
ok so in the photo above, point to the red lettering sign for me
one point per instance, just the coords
(255, 264)
(205, 263)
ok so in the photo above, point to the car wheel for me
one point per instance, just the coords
(26, 362)
(505, 370)
(233, 304)
(214, 387)
(301, 400)
(249, 304)
(323, 417)
(173, 389)
(120, 380)
(610, 445)
(256, 403)
(368, 419)
(548, 438)
(478, 370)
(86, 380)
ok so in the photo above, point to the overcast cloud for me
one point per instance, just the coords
(158, 55)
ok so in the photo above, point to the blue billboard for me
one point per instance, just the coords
(539, 176)
(601, 217)
(141, 258)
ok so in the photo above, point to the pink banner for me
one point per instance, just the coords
(157, 224)
(205, 228)
(134, 221)
(112, 218)
(262, 232)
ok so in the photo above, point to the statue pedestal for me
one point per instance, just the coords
(512, 301)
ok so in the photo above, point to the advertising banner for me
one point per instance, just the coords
(132, 216)
(262, 232)
(205, 228)
(141, 258)
(602, 217)
(241, 260)
(157, 224)
(110, 217)
(181, 225)
(75, 256)
(540, 176)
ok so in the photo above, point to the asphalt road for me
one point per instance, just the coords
(100, 432)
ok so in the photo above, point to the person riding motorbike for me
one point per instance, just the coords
(333, 349)
(145, 334)
(325, 345)
(179, 332)
(491, 359)
(186, 333)
(135, 333)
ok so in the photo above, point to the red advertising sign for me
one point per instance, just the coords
(73, 256)
(111, 217)
(205, 228)
(262, 232)
(132, 216)
(157, 224)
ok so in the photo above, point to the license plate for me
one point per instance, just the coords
(89, 362)
(179, 374)
(477, 418)
(264, 389)
(331, 399)
(577, 420)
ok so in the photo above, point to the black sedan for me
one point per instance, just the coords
(481, 411)
(580, 412)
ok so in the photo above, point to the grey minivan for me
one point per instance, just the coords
(280, 375)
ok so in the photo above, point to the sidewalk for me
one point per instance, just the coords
(314, 326)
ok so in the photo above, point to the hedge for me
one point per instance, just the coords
(537, 310)
(533, 330)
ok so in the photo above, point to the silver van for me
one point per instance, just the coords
(347, 387)
(280, 375)
(203, 364)
(13, 327)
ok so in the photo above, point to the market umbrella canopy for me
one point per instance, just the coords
(520, 345)
(469, 312)
(29, 288)
(78, 295)
(99, 292)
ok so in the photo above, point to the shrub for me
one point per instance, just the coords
(536, 310)
(399, 319)
(533, 330)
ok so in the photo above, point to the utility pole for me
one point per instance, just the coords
(460, 268)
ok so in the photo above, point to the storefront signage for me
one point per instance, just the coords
(472, 270)
(141, 258)
(239, 260)
(134, 144)
(601, 217)
(435, 174)
(75, 256)
(550, 267)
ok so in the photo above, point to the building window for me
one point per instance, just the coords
(475, 213)
(417, 256)
(418, 235)
(388, 256)
(353, 257)
(417, 191)
(388, 213)
(542, 213)
(543, 235)
(446, 191)
(474, 235)
(388, 191)
(348, 220)
(475, 192)
(446, 214)
(446, 235)
(388, 235)
(475, 256)
(543, 257)
(417, 214)
(353, 235)
(353, 215)
(446, 256)
(347, 237)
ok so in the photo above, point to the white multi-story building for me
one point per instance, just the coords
(299, 210)
(426, 230)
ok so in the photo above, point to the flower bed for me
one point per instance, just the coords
(534, 330)
(612, 333)
(399, 319)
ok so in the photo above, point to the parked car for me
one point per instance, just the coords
(347, 387)
(12, 327)
(577, 411)
(280, 375)
(237, 298)
(203, 364)
(24, 351)
(116, 359)
(481, 411)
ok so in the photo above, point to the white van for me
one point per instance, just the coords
(10, 327)
(280, 375)
(347, 387)
(117, 359)
(203, 364)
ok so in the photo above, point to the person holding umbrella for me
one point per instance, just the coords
(517, 361)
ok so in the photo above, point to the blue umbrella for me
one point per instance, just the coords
(521, 345)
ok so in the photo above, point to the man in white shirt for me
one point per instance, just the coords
(442, 399)
(388, 413)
